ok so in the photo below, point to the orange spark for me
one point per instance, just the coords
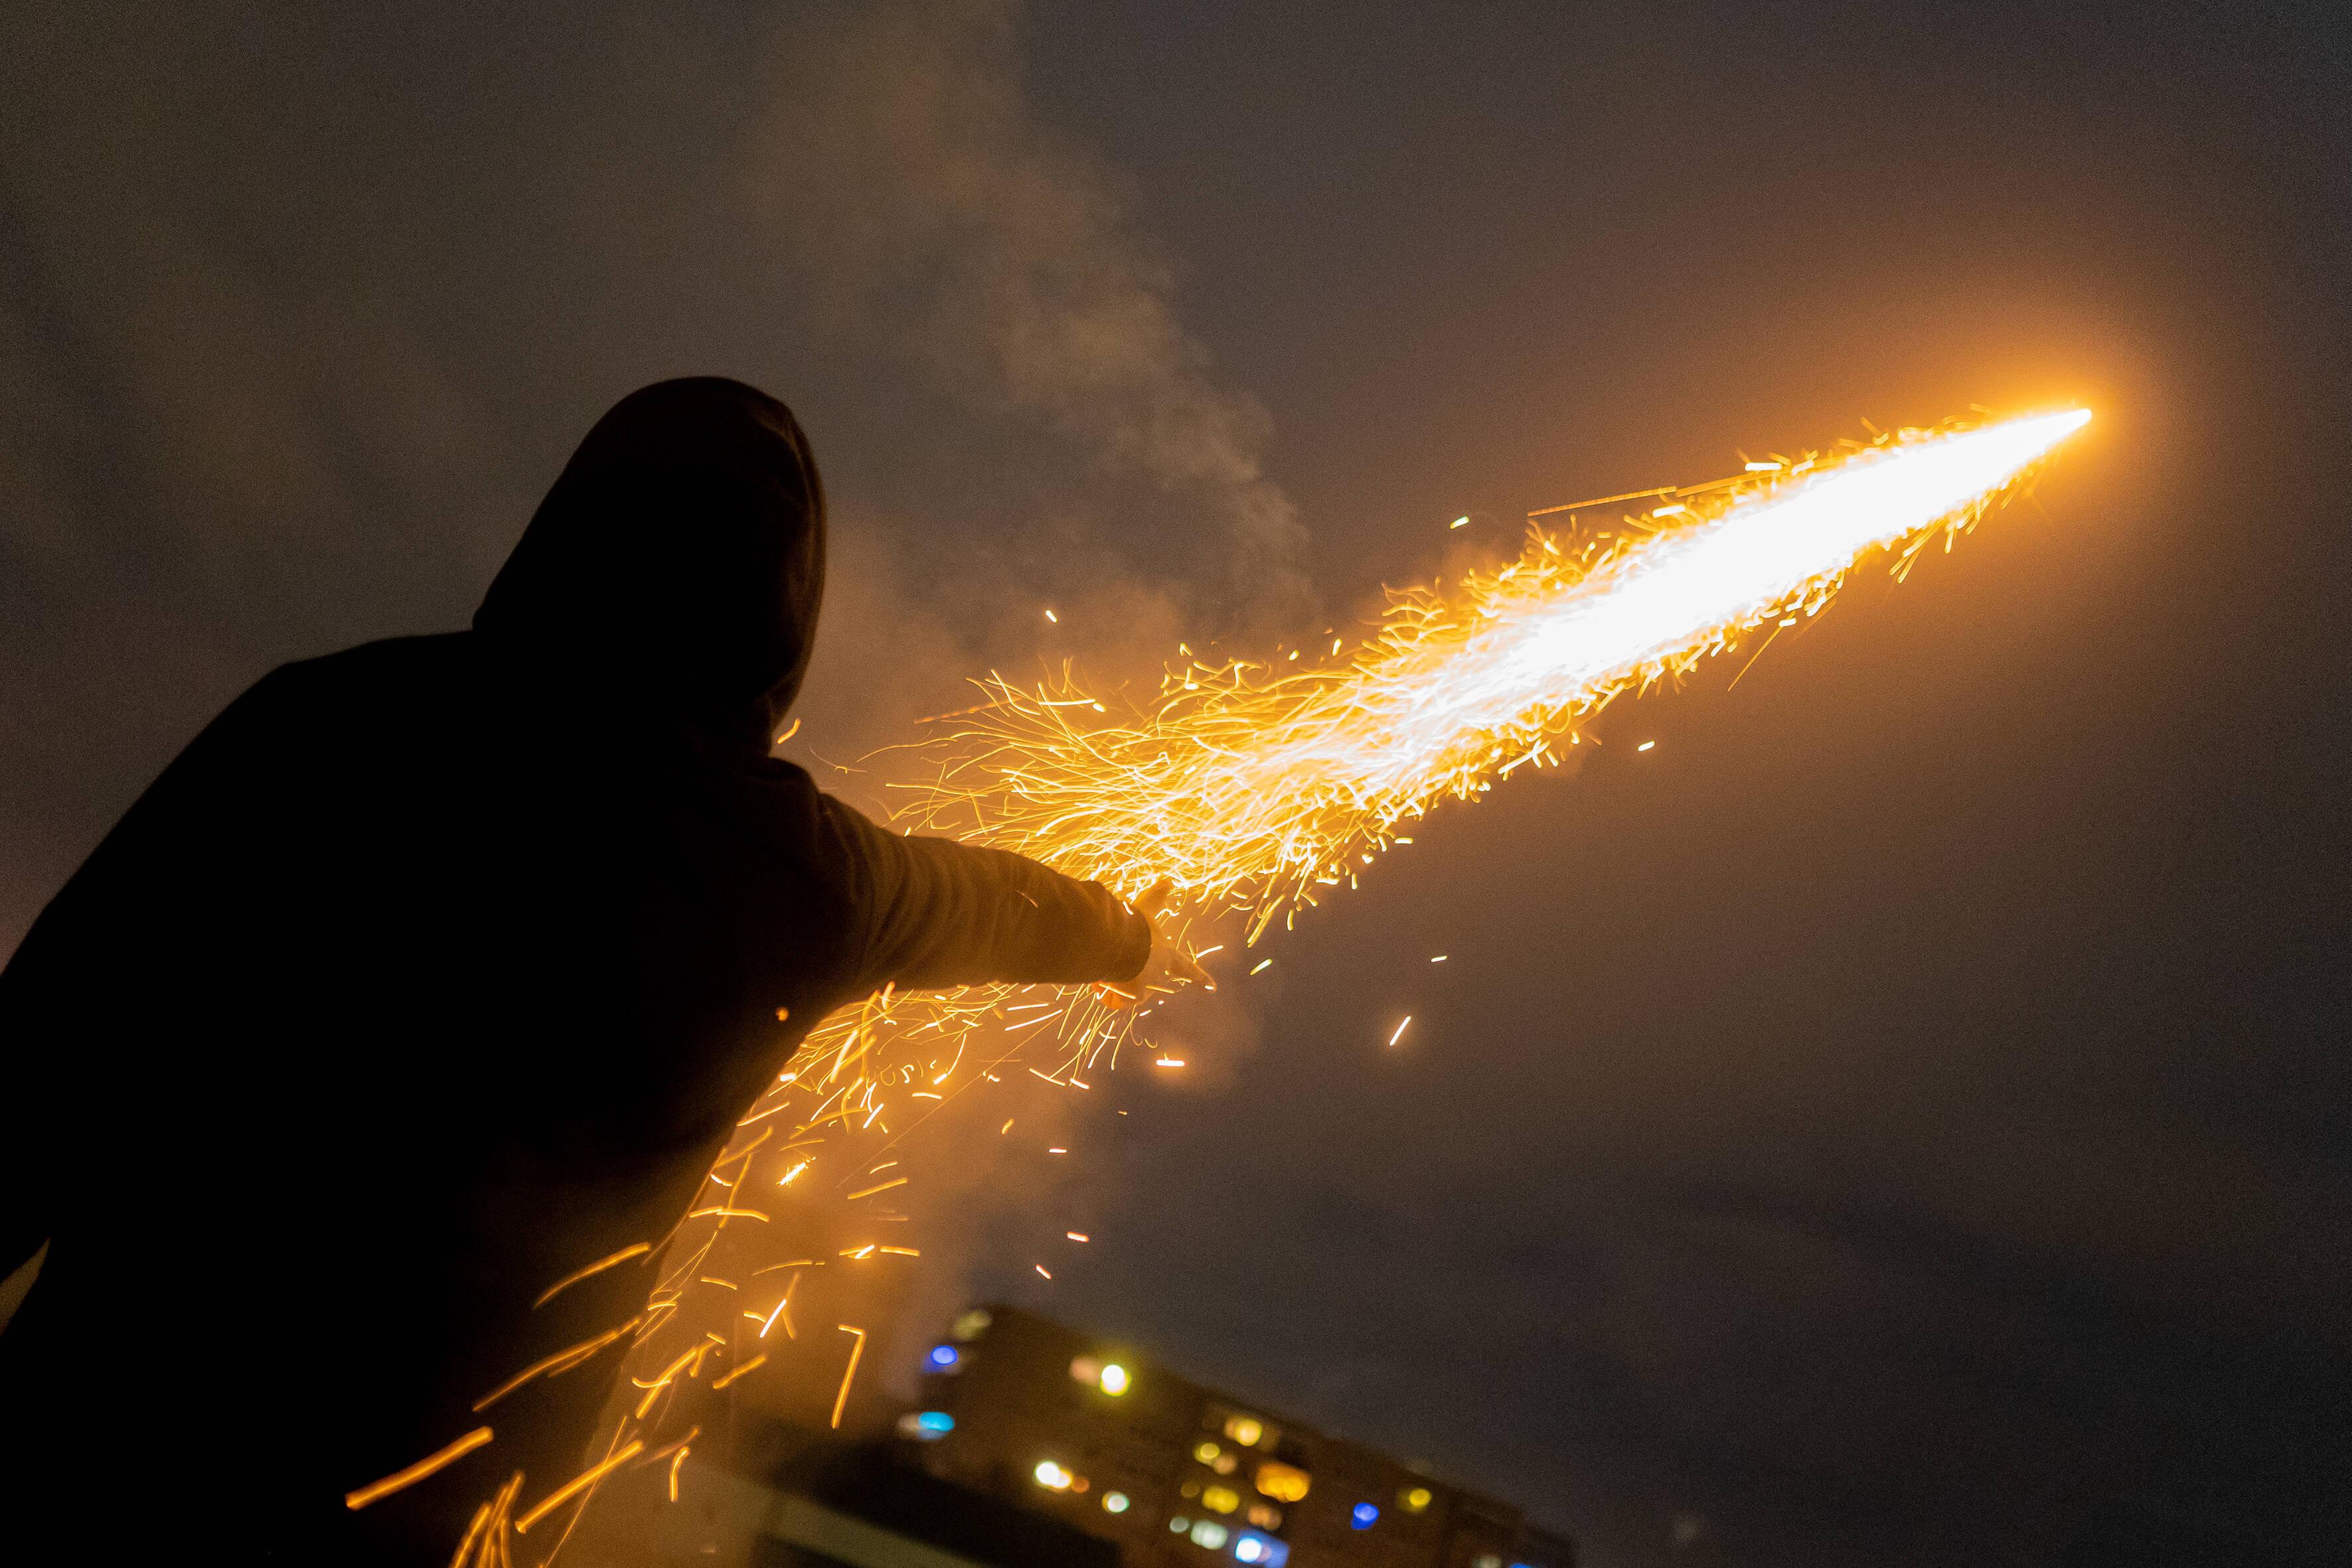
(438, 1459)
(562, 1361)
(596, 1267)
(577, 1484)
(718, 1383)
(841, 1400)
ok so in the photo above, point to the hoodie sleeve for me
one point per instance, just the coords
(935, 913)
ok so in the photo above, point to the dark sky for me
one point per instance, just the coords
(1900, 1119)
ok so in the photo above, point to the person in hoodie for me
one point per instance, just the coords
(430, 970)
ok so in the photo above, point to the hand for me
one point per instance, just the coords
(1166, 968)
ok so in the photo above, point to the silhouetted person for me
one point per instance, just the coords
(429, 971)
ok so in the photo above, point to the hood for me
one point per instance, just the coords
(679, 560)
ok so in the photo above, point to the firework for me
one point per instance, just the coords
(1257, 787)
(1253, 786)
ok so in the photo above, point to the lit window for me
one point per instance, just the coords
(1414, 1498)
(1191, 1489)
(1114, 1502)
(1179, 1525)
(1085, 1369)
(1283, 1483)
(1208, 1533)
(1244, 1429)
(938, 1421)
(1487, 1559)
(1206, 1453)
(1364, 1515)
(1053, 1477)
(1220, 1500)
(1224, 1464)
(1264, 1551)
(1264, 1515)
(1114, 1379)
(971, 1325)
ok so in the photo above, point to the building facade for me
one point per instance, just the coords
(1179, 1476)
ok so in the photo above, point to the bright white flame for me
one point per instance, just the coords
(1759, 556)
(1660, 599)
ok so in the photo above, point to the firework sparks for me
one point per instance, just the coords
(1259, 786)
(1253, 790)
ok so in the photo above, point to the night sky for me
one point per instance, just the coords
(1900, 1119)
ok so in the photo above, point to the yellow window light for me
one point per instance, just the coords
(1283, 1483)
(1113, 1380)
(1206, 1453)
(1053, 1477)
(1244, 1429)
(1220, 1500)
(1085, 1369)
(1415, 1500)
(1266, 1516)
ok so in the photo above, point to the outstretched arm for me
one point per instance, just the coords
(939, 913)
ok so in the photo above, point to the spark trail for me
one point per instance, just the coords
(1257, 786)
(1251, 788)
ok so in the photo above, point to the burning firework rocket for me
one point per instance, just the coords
(1255, 786)
(1252, 789)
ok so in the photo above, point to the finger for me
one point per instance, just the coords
(1158, 897)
